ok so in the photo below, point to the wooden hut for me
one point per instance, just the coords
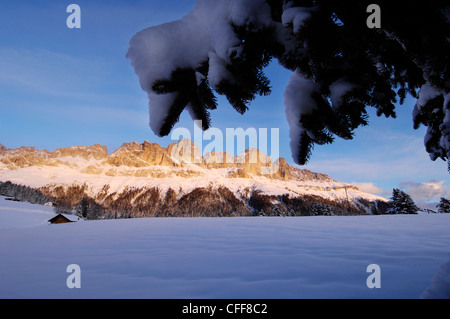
(59, 219)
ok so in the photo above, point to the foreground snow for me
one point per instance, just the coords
(250, 257)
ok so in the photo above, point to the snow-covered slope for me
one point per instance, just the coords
(179, 167)
(241, 257)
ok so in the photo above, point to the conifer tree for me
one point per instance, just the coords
(339, 65)
(81, 210)
(444, 205)
(321, 209)
(402, 203)
(95, 211)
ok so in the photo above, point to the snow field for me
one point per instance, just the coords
(37, 176)
(248, 257)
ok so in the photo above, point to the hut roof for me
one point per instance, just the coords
(59, 219)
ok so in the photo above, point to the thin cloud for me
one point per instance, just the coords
(50, 73)
(371, 188)
(379, 155)
(426, 194)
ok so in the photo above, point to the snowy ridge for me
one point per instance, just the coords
(149, 165)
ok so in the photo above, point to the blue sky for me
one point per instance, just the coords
(62, 87)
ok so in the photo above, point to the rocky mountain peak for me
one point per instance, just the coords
(23, 156)
(143, 159)
(140, 155)
(96, 151)
(185, 151)
(147, 170)
(218, 160)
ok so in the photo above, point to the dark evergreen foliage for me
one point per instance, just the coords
(401, 203)
(198, 96)
(379, 207)
(23, 193)
(136, 202)
(82, 207)
(410, 50)
(444, 205)
(284, 205)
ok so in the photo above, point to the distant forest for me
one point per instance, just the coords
(23, 193)
(201, 202)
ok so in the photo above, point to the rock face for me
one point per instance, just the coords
(139, 155)
(96, 151)
(143, 160)
(29, 156)
(23, 157)
(151, 154)
(218, 160)
(185, 151)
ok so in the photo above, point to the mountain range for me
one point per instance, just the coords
(146, 179)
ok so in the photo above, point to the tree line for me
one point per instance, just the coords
(23, 193)
(136, 202)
